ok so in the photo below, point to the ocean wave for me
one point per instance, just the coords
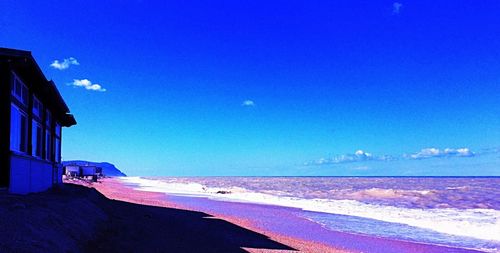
(476, 223)
(388, 193)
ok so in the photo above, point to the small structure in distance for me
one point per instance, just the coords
(82, 171)
(108, 169)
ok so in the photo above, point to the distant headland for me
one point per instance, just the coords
(108, 169)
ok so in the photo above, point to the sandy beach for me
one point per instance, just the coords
(279, 224)
(249, 126)
(115, 189)
(111, 216)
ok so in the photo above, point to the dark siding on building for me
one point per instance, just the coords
(4, 124)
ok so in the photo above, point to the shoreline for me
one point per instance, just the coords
(114, 188)
(76, 217)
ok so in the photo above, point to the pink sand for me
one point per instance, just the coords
(288, 229)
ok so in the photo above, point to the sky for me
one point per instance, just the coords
(272, 87)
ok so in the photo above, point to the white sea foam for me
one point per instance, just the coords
(481, 224)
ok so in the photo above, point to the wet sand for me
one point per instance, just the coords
(73, 218)
(115, 189)
(278, 223)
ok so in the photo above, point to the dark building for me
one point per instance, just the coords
(32, 113)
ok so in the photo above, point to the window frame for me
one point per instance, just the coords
(22, 145)
(48, 118)
(57, 142)
(37, 104)
(23, 98)
(36, 139)
(57, 150)
(49, 136)
(58, 130)
(48, 145)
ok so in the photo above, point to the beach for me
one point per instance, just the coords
(360, 214)
(249, 126)
(113, 216)
(109, 217)
(117, 190)
(280, 224)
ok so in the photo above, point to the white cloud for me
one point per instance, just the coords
(435, 152)
(66, 63)
(358, 156)
(248, 103)
(362, 156)
(87, 84)
(396, 7)
(361, 153)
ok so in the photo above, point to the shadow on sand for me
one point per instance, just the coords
(138, 228)
(76, 218)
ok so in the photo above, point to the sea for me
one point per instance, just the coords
(461, 212)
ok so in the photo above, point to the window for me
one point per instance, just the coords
(48, 136)
(36, 139)
(48, 120)
(37, 108)
(18, 129)
(19, 90)
(19, 119)
(57, 142)
(58, 130)
(48, 145)
(57, 151)
(37, 129)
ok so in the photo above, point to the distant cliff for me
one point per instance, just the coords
(108, 169)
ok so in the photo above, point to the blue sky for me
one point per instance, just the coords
(261, 88)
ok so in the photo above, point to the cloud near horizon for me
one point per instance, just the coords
(88, 85)
(65, 64)
(248, 103)
(362, 156)
(358, 156)
(396, 7)
(435, 152)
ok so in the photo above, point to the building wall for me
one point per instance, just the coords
(4, 124)
(21, 170)
(30, 175)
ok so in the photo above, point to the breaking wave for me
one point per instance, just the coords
(479, 223)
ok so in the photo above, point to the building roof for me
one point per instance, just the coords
(23, 62)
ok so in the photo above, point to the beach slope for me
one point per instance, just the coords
(75, 218)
